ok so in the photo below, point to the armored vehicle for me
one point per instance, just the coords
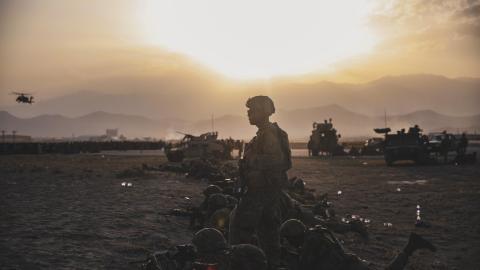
(324, 140)
(412, 145)
(204, 146)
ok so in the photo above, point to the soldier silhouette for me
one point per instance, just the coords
(266, 160)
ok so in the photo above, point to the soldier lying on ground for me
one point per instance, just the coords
(214, 211)
(317, 248)
(198, 214)
(298, 191)
(208, 252)
(322, 214)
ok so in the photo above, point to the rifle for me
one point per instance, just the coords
(177, 212)
(241, 183)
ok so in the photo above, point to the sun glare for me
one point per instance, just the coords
(258, 39)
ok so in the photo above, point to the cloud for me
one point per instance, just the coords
(427, 24)
(421, 36)
(471, 11)
(410, 16)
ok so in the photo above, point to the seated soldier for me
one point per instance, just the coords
(317, 248)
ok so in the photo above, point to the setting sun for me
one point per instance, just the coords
(260, 39)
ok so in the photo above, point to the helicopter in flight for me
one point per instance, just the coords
(23, 97)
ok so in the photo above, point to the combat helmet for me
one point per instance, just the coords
(212, 189)
(247, 257)
(216, 201)
(261, 102)
(299, 184)
(294, 231)
(209, 240)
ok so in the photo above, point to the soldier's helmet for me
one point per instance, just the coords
(216, 201)
(299, 184)
(209, 240)
(261, 103)
(294, 231)
(212, 189)
(247, 257)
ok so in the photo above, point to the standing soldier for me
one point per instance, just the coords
(445, 145)
(263, 172)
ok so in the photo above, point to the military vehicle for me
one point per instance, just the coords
(412, 145)
(324, 140)
(372, 146)
(191, 147)
(404, 146)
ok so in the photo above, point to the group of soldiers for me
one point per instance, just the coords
(231, 144)
(272, 222)
(448, 142)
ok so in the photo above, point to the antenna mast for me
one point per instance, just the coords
(213, 124)
(385, 116)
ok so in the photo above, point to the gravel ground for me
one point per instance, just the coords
(71, 211)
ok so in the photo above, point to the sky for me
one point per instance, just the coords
(56, 46)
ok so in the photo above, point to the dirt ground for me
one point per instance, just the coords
(71, 211)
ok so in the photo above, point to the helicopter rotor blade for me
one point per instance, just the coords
(20, 93)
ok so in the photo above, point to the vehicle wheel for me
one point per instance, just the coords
(421, 158)
(389, 159)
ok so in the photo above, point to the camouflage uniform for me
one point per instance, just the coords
(322, 250)
(318, 248)
(266, 160)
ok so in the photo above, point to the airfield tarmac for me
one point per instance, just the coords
(71, 211)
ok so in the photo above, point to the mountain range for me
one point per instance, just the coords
(195, 98)
(297, 123)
